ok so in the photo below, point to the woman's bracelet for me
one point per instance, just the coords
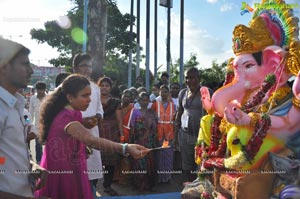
(124, 147)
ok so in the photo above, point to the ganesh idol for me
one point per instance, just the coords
(257, 110)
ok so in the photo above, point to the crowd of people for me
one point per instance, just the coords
(87, 132)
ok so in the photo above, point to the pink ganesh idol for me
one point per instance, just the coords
(256, 111)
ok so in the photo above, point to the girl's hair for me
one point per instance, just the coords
(127, 91)
(164, 86)
(174, 83)
(60, 78)
(143, 94)
(80, 57)
(156, 85)
(57, 100)
(141, 89)
(104, 79)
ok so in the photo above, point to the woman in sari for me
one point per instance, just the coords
(112, 129)
(143, 131)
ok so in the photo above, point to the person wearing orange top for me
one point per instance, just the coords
(165, 110)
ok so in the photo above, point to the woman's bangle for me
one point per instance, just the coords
(124, 147)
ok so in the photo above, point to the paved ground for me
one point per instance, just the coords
(127, 190)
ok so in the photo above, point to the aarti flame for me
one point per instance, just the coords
(165, 144)
(2, 160)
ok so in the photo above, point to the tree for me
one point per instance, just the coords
(214, 76)
(103, 40)
(191, 62)
(211, 77)
(97, 28)
(116, 68)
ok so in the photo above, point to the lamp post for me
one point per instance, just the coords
(147, 45)
(138, 13)
(155, 39)
(130, 49)
(85, 16)
(168, 4)
(181, 42)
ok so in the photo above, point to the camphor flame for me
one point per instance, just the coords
(2, 160)
(165, 144)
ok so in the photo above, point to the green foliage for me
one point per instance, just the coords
(117, 34)
(214, 76)
(211, 77)
(56, 37)
(116, 67)
(191, 62)
(174, 68)
(117, 37)
(117, 47)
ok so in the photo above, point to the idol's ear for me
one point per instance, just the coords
(273, 57)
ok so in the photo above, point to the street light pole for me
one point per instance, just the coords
(168, 4)
(181, 70)
(130, 49)
(155, 39)
(147, 45)
(85, 13)
(169, 39)
(137, 70)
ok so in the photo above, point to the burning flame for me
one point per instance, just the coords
(165, 144)
(2, 160)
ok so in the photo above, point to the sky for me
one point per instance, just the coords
(208, 26)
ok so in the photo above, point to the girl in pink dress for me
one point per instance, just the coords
(66, 138)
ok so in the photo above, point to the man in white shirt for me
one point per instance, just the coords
(82, 64)
(154, 92)
(15, 73)
(174, 91)
(34, 110)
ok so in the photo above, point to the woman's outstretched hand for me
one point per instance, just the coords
(137, 151)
